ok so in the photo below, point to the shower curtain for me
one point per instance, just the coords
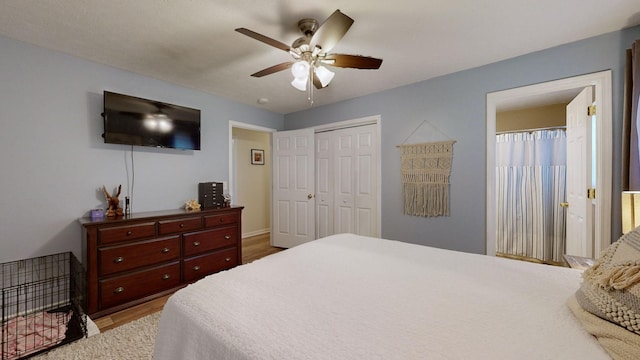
(531, 180)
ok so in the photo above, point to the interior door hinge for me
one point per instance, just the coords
(591, 110)
(591, 193)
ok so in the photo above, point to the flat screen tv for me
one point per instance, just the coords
(132, 120)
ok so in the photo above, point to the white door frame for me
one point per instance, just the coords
(604, 147)
(235, 124)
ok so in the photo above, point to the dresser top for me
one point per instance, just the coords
(153, 214)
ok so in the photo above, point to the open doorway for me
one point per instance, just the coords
(531, 169)
(250, 176)
(601, 83)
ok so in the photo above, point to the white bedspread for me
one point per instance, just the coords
(354, 297)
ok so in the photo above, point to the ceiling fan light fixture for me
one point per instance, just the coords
(300, 70)
(312, 50)
(324, 75)
(300, 84)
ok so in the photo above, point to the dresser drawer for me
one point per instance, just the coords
(126, 257)
(204, 241)
(179, 225)
(200, 266)
(125, 233)
(119, 290)
(220, 219)
(135, 258)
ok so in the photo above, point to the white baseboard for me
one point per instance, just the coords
(256, 233)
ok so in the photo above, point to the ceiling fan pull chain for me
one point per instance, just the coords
(310, 84)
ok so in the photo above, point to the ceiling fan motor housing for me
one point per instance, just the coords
(308, 26)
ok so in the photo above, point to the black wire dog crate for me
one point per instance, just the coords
(42, 304)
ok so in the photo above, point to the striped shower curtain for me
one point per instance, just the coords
(531, 180)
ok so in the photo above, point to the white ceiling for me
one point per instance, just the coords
(193, 43)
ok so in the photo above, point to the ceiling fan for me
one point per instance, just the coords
(311, 51)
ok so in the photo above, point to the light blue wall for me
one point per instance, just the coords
(456, 104)
(53, 158)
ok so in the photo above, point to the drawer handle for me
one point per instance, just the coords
(196, 243)
(227, 259)
(166, 277)
(181, 225)
(196, 268)
(118, 260)
(165, 250)
(118, 290)
(227, 237)
(129, 232)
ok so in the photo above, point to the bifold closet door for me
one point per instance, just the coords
(324, 184)
(346, 179)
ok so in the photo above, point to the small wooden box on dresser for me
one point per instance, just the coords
(131, 260)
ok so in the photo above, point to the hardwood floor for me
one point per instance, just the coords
(524, 258)
(253, 248)
(256, 247)
(133, 313)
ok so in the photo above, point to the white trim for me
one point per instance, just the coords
(242, 125)
(256, 233)
(604, 147)
(369, 120)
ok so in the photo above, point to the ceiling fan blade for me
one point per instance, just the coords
(265, 39)
(273, 69)
(351, 61)
(331, 31)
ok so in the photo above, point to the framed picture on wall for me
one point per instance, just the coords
(257, 157)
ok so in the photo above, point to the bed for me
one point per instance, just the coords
(354, 297)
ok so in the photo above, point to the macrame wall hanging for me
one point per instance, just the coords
(426, 169)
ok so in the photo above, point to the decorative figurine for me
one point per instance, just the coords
(114, 208)
(192, 205)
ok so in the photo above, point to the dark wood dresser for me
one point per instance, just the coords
(131, 260)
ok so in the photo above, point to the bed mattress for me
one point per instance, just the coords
(355, 297)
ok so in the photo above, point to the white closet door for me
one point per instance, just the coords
(324, 184)
(347, 187)
(344, 177)
(365, 181)
(293, 205)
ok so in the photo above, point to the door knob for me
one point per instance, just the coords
(309, 196)
(564, 204)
